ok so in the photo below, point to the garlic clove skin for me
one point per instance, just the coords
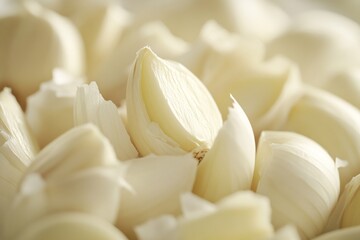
(113, 75)
(347, 210)
(300, 179)
(318, 111)
(95, 191)
(35, 41)
(229, 165)
(90, 107)
(316, 41)
(71, 226)
(161, 192)
(343, 234)
(53, 101)
(346, 85)
(160, 96)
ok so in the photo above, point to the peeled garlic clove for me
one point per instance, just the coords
(17, 148)
(300, 179)
(160, 228)
(71, 226)
(90, 107)
(101, 26)
(94, 191)
(113, 75)
(288, 232)
(216, 50)
(34, 42)
(169, 110)
(229, 165)
(249, 213)
(331, 122)
(266, 92)
(347, 210)
(351, 233)
(316, 41)
(346, 85)
(155, 188)
(53, 101)
(79, 148)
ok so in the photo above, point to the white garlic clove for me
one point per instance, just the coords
(346, 85)
(95, 191)
(17, 148)
(169, 110)
(217, 50)
(316, 41)
(266, 92)
(347, 210)
(79, 148)
(70, 226)
(90, 107)
(351, 233)
(229, 165)
(113, 75)
(34, 42)
(157, 183)
(331, 122)
(53, 101)
(288, 232)
(300, 179)
(242, 215)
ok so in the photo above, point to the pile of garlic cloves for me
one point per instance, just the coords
(179, 120)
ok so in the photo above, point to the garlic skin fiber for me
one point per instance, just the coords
(53, 101)
(300, 179)
(169, 110)
(331, 122)
(70, 226)
(351, 233)
(229, 165)
(33, 42)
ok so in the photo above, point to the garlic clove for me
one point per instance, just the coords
(331, 122)
(160, 193)
(316, 41)
(90, 107)
(79, 148)
(229, 165)
(53, 101)
(217, 50)
(346, 85)
(242, 215)
(288, 232)
(113, 75)
(351, 233)
(34, 42)
(347, 210)
(17, 148)
(300, 179)
(95, 191)
(160, 97)
(71, 226)
(266, 92)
